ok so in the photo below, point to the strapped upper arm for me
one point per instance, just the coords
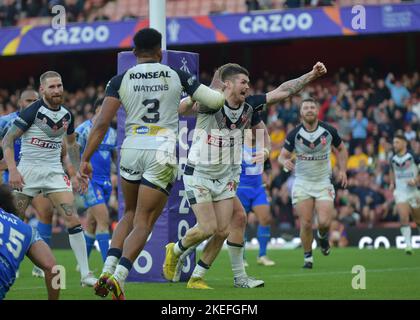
(257, 101)
(27, 117)
(289, 142)
(188, 81)
(113, 86)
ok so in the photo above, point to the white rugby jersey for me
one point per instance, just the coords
(313, 150)
(405, 168)
(150, 94)
(44, 129)
(216, 149)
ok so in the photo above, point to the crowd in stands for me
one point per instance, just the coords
(366, 108)
(20, 12)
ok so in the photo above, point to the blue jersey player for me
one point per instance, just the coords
(18, 239)
(251, 192)
(99, 190)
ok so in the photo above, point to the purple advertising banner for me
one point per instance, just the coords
(176, 217)
(256, 26)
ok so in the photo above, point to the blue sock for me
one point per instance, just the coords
(90, 240)
(45, 231)
(103, 240)
(263, 236)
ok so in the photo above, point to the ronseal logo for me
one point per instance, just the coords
(275, 23)
(75, 35)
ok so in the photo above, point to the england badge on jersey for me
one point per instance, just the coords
(323, 140)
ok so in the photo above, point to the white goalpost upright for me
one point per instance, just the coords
(157, 15)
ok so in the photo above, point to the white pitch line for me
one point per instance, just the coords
(308, 273)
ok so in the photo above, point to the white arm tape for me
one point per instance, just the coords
(209, 97)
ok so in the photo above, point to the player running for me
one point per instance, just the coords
(18, 239)
(150, 93)
(99, 189)
(211, 188)
(42, 127)
(312, 141)
(41, 204)
(405, 179)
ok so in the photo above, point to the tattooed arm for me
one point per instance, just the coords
(73, 151)
(291, 87)
(15, 178)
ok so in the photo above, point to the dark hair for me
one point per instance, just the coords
(230, 70)
(400, 136)
(97, 104)
(309, 100)
(48, 74)
(147, 40)
(7, 200)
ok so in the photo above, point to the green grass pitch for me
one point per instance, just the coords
(390, 274)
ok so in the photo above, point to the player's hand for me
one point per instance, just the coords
(391, 186)
(259, 157)
(16, 180)
(288, 165)
(83, 176)
(319, 69)
(412, 182)
(342, 177)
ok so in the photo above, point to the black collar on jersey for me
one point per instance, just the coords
(228, 106)
(46, 105)
(240, 121)
(151, 61)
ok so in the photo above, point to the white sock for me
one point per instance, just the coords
(78, 245)
(406, 232)
(121, 273)
(236, 254)
(177, 248)
(199, 270)
(110, 264)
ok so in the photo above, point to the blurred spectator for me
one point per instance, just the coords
(292, 3)
(359, 130)
(277, 136)
(283, 208)
(358, 160)
(9, 13)
(398, 92)
(344, 125)
(252, 5)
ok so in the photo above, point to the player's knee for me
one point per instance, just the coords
(222, 233)
(48, 265)
(239, 219)
(208, 229)
(306, 224)
(266, 220)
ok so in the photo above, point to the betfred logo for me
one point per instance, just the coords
(45, 143)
